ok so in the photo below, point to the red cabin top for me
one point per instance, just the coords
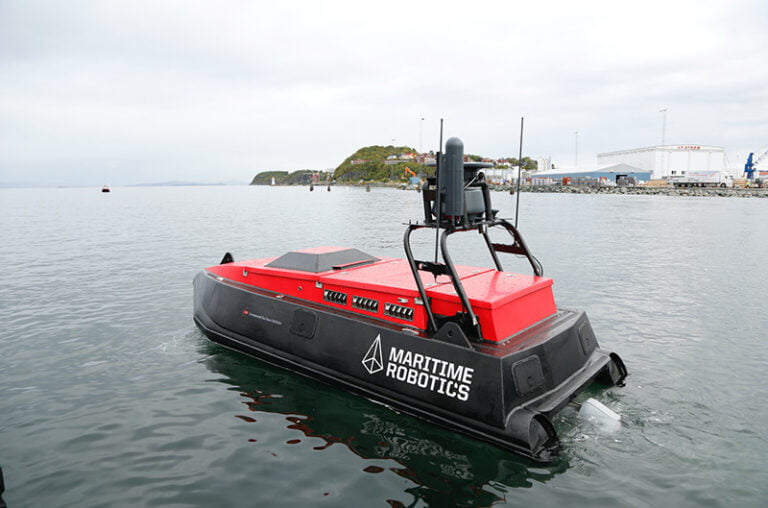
(384, 288)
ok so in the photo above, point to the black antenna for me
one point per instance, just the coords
(519, 171)
(437, 189)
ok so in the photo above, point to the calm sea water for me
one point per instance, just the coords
(110, 396)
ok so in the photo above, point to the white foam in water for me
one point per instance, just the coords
(597, 412)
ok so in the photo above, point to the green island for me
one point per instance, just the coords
(376, 164)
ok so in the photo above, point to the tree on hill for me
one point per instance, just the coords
(374, 163)
(265, 177)
(528, 163)
(300, 177)
(370, 164)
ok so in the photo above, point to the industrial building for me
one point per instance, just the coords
(669, 160)
(613, 173)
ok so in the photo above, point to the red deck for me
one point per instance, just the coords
(505, 303)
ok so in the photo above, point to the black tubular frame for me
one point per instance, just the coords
(517, 247)
(479, 219)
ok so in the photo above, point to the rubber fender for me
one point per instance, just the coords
(534, 432)
(542, 437)
(614, 373)
(2, 489)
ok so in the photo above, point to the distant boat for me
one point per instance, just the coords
(105, 188)
(273, 181)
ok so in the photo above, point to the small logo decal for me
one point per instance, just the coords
(373, 361)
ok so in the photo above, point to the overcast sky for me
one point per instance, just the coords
(122, 92)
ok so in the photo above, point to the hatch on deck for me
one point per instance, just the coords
(322, 259)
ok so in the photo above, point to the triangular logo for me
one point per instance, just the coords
(373, 361)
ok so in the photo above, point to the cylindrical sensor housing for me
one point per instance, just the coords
(452, 178)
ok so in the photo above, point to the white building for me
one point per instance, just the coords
(668, 160)
(544, 163)
(500, 175)
(612, 173)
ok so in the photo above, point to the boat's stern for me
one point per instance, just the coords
(547, 368)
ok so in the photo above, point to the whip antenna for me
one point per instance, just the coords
(437, 189)
(519, 171)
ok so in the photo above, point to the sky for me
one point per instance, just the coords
(117, 92)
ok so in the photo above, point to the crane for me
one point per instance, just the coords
(749, 167)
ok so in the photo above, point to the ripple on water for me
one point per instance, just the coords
(110, 396)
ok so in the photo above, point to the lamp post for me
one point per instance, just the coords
(421, 129)
(394, 152)
(663, 112)
(576, 150)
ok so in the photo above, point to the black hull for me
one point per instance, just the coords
(503, 394)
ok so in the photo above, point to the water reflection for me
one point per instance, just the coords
(445, 468)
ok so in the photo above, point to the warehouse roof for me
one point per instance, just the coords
(610, 168)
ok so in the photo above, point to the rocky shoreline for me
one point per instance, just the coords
(648, 191)
(584, 189)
